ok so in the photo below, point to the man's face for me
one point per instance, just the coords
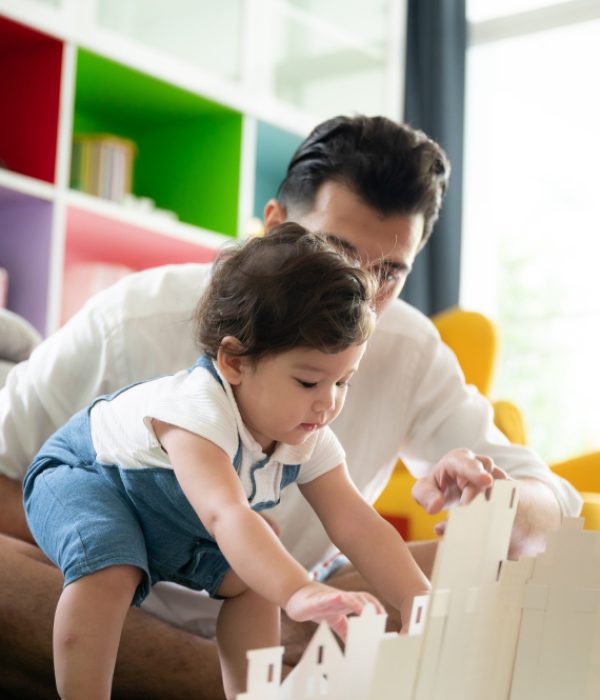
(387, 245)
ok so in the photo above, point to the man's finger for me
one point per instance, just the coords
(427, 494)
(469, 493)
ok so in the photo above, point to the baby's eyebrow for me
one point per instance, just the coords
(308, 368)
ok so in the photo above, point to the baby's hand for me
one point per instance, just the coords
(319, 602)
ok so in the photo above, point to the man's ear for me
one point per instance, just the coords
(274, 214)
(229, 362)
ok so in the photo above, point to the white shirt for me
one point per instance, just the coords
(195, 400)
(408, 398)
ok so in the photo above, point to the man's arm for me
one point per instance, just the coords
(40, 394)
(136, 329)
(12, 515)
(156, 660)
(538, 514)
(461, 475)
(446, 414)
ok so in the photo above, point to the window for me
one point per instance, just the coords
(531, 245)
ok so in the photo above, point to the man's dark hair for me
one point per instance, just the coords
(392, 167)
(289, 289)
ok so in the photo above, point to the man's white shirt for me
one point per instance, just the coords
(408, 399)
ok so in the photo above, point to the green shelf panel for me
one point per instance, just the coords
(188, 147)
(274, 149)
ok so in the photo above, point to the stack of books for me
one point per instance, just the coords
(102, 165)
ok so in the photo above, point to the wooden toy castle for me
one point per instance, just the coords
(490, 630)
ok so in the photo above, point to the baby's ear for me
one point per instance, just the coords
(229, 361)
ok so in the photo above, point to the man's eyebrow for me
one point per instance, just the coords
(393, 265)
(343, 244)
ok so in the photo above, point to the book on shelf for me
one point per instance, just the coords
(3, 288)
(102, 165)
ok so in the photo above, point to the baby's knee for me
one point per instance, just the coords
(231, 585)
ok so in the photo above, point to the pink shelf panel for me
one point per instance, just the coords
(99, 251)
(92, 237)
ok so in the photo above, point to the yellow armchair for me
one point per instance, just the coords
(474, 340)
(584, 473)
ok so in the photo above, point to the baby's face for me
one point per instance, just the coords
(287, 396)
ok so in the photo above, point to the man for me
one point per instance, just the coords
(379, 187)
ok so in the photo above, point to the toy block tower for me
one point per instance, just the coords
(264, 674)
(558, 653)
(475, 542)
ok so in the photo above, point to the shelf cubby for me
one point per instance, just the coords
(274, 149)
(188, 147)
(215, 101)
(95, 237)
(25, 243)
(30, 71)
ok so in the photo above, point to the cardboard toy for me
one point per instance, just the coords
(493, 629)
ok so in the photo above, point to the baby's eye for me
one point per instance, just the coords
(306, 385)
(343, 383)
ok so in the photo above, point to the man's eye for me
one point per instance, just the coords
(388, 277)
(306, 385)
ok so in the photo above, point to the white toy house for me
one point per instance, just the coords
(492, 629)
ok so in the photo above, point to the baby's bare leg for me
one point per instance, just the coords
(246, 621)
(87, 629)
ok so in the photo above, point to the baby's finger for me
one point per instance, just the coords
(375, 602)
(340, 627)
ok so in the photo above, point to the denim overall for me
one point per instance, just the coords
(87, 516)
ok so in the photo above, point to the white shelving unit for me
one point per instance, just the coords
(215, 96)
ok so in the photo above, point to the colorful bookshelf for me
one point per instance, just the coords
(211, 135)
(188, 147)
(25, 241)
(30, 70)
(274, 149)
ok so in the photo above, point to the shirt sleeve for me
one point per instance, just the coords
(62, 375)
(327, 455)
(197, 403)
(137, 329)
(446, 413)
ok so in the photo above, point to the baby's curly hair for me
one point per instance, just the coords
(292, 288)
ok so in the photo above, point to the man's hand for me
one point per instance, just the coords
(456, 479)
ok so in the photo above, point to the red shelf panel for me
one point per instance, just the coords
(30, 70)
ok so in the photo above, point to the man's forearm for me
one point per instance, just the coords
(538, 513)
(12, 515)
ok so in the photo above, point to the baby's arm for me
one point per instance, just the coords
(212, 486)
(372, 544)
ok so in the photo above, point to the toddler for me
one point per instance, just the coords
(165, 480)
